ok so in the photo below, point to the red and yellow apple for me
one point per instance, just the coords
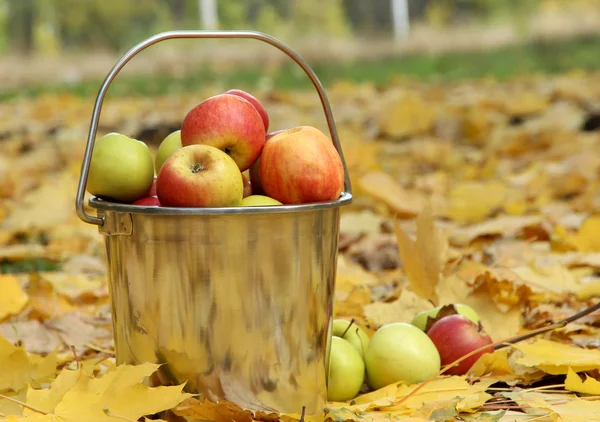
(148, 201)
(254, 101)
(259, 201)
(254, 170)
(199, 176)
(227, 122)
(301, 165)
(247, 186)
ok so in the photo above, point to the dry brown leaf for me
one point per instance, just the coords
(223, 411)
(506, 226)
(384, 188)
(423, 259)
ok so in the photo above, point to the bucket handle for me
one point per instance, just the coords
(85, 167)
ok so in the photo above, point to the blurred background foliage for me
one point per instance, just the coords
(49, 26)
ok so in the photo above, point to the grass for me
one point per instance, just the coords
(537, 57)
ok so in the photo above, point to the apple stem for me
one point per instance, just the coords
(550, 327)
(500, 344)
(348, 327)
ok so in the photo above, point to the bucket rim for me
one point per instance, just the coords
(104, 205)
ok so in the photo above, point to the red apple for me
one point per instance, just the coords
(254, 101)
(152, 191)
(199, 176)
(255, 168)
(301, 165)
(228, 122)
(247, 186)
(454, 336)
(148, 201)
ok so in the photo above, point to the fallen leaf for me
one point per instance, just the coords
(13, 298)
(32, 335)
(589, 385)
(20, 369)
(423, 259)
(556, 358)
(401, 310)
(507, 226)
(223, 411)
(473, 201)
(383, 187)
(587, 239)
(74, 286)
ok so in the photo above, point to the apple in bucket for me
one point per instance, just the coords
(227, 122)
(301, 165)
(199, 176)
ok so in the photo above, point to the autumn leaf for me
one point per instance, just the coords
(588, 385)
(473, 201)
(20, 368)
(423, 259)
(223, 411)
(13, 298)
(557, 358)
(385, 189)
(76, 396)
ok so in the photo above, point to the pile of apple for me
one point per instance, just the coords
(222, 156)
(404, 353)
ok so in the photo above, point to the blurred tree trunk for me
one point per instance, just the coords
(21, 19)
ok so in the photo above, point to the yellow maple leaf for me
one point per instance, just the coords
(588, 386)
(587, 239)
(473, 201)
(384, 188)
(19, 369)
(423, 259)
(72, 285)
(75, 396)
(574, 410)
(402, 309)
(556, 358)
(13, 298)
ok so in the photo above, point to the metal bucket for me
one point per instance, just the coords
(236, 302)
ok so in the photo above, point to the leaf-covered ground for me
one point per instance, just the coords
(509, 172)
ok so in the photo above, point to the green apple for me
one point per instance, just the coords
(400, 352)
(420, 319)
(352, 333)
(259, 200)
(171, 143)
(121, 168)
(346, 371)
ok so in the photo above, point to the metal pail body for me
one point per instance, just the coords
(236, 305)
(237, 301)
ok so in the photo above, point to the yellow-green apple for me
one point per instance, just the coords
(228, 122)
(199, 176)
(247, 186)
(148, 201)
(355, 335)
(258, 201)
(254, 170)
(301, 165)
(455, 336)
(121, 168)
(400, 352)
(171, 143)
(254, 101)
(420, 319)
(346, 371)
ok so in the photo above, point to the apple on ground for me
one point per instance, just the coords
(254, 170)
(227, 122)
(199, 176)
(254, 101)
(455, 336)
(420, 319)
(148, 201)
(247, 186)
(301, 165)
(346, 371)
(355, 335)
(259, 201)
(121, 168)
(171, 143)
(400, 352)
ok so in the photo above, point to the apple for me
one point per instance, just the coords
(171, 143)
(199, 176)
(301, 165)
(247, 186)
(400, 352)
(148, 201)
(456, 335)
(420, 319)
(259, 200)
(352, 333)
(228, 122)
(121, 168)
(254, 171)
(254, 101)
(346, 371)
